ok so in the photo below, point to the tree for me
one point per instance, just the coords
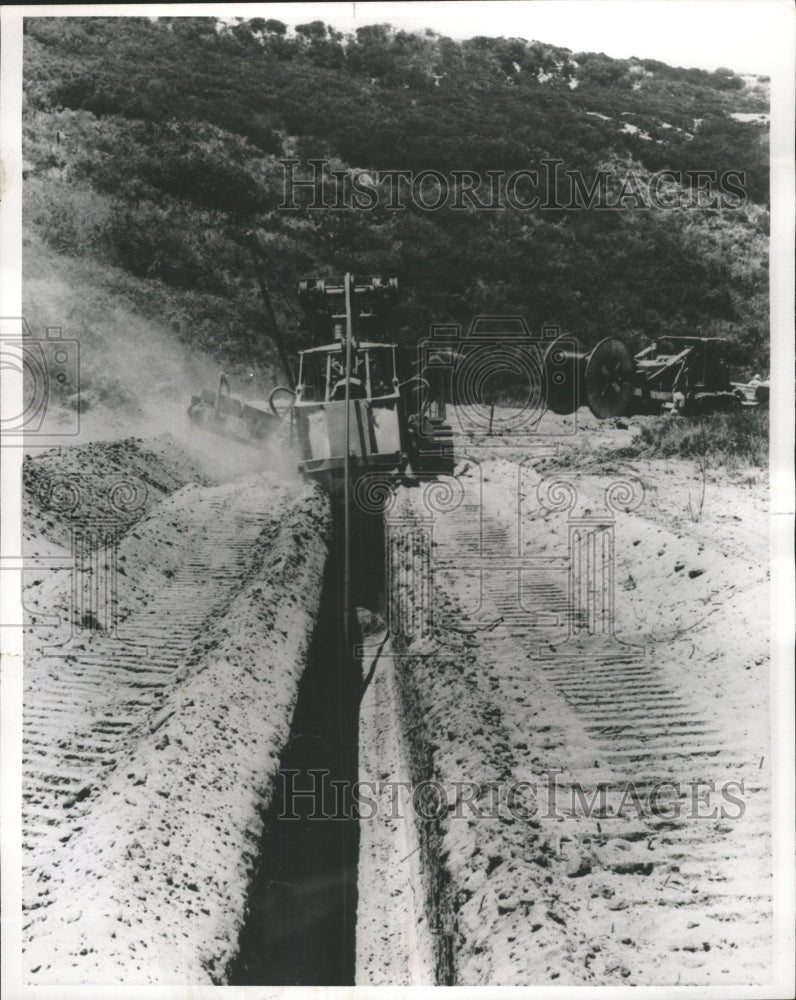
(312, 30)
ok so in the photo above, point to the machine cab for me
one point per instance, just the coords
(375, 420)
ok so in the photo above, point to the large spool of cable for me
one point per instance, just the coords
(602, 378)
(608, 379)
(562, 374)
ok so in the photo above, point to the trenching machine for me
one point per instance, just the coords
(352, 412)
(349, 410)
(357, 423)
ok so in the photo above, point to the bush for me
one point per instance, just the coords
(149, 242)
(175, 116)
(729, 439)
(71, 219)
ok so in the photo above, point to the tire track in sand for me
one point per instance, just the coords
(87, 700)
(653, 896)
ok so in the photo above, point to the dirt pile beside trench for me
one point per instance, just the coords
(150, 755)
(95, 481)
(606, 811)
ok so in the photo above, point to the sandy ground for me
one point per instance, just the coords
(540, 638)
(153, 730)
(393, 942)
(653, 669)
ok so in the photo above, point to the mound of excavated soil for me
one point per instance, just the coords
(588, 682)
(65, 486)
(151, 743)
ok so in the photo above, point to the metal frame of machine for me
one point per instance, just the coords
(687, 374)
(352, 413)
(231, 417)
(349, 411)
(377, 428)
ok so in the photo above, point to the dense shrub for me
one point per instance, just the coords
(71, 219)
(729, 439)
(153, 144)
(146, 241)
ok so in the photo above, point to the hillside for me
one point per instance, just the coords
(530, 666)
(152, 145)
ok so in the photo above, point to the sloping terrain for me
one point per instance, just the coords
(153, 164)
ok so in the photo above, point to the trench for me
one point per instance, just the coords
(301, 915)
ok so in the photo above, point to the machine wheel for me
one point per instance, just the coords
(609, 378)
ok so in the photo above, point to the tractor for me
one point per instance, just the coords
(350, 412)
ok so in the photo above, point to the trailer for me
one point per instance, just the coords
(686, 375)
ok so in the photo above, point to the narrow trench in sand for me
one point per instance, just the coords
(301, 922)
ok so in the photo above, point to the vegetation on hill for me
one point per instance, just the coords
(732, 440)
(153, 144)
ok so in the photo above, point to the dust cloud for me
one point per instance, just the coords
(136, 379)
